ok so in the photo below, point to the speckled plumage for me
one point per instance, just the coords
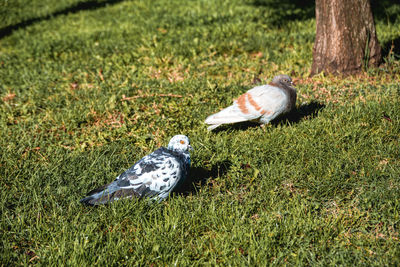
(261, 104)
(154, 176)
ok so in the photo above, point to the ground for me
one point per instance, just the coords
(89, 87)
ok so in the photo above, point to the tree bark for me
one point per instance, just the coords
(345, 41)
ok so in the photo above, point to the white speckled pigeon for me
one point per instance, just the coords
(261, 104)
(154, 176)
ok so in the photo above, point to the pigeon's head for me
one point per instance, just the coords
(180, 143)
(283, 79)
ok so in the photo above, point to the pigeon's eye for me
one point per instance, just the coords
(182, 142)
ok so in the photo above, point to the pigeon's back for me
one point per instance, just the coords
(269, 98)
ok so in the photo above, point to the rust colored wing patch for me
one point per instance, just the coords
(246, 97)
(257, 107)
(253, 103)
(263, 112)
(241, 101)
(273, 84)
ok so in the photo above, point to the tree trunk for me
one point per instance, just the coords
(346, 40)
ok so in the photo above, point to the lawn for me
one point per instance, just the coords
(87, 88)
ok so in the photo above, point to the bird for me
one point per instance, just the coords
(261, 104)
(154, 176)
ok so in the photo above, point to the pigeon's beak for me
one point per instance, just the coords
(190, 148)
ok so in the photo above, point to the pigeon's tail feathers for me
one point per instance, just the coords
(212, 127)
(90, 201)
(96, 199)
(112, 192)
(230, 114)
(100, 195)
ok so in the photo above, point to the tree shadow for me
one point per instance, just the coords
(287, 10)
(307, 110)
(385, 10)
(88, 5)
(392, 46)
(199, 176)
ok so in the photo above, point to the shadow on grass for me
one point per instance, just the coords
(385, 10)
(199, 176)
(308, 110)
(88, 5)
(287, 10)
(392, 46)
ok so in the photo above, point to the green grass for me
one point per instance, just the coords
(81, 87)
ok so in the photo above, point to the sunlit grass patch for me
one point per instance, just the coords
(89, 87)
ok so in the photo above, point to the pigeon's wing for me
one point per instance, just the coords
(155, 175)
(269, 101)
(251, 105)
(237, 112)
(109, 193)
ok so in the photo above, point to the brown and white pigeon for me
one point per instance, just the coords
(261, 104)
